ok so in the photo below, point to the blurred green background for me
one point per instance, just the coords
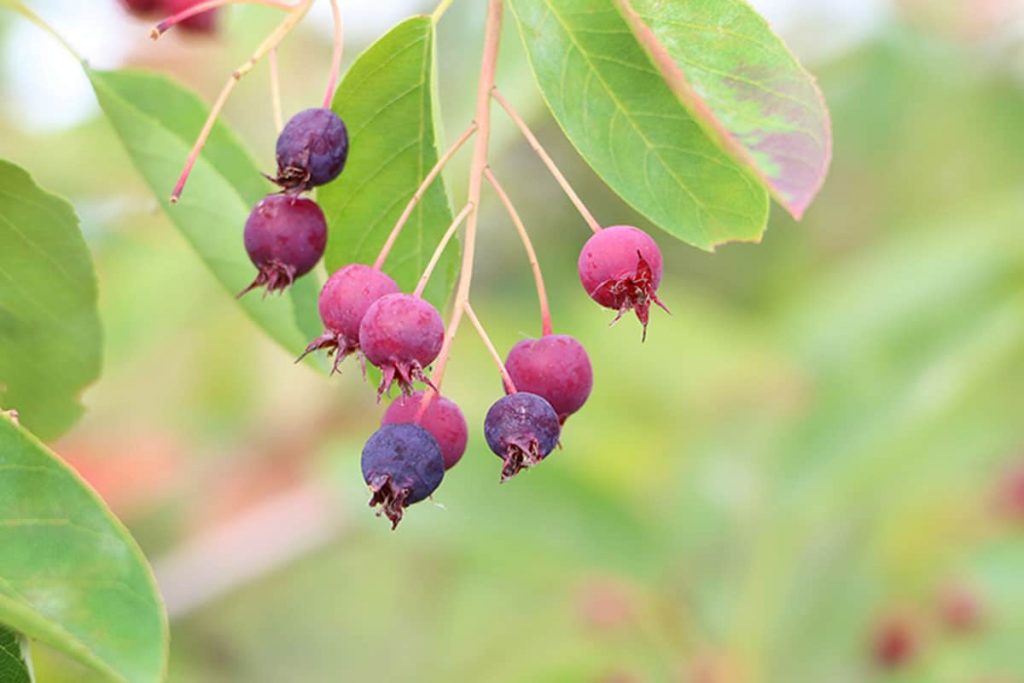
(816, 450)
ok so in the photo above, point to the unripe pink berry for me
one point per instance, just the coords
(344, 300)
(620, 268)
(438, 415)
(401, 334)
(556, 368)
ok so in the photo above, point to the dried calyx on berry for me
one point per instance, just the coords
(620, 268)
(402, 464)
(522, 429)
(285, 237)
(311, 150)
(401, 334)
(438, 415)
(344, 300)
(556, 368)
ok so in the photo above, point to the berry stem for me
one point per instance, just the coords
(436, 256)
(548, 161)
(20, 8)
(538, 278)
(269, 43)
(175, 19)
(439, 11)
(418, 195)
(492, 40)
(510, 386)
(339, 46)
(275, 91)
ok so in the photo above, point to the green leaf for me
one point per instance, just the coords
(158, 120)
(738, 79)
(388, 102)
(631, 128)
(70, 574)
(15, 662)
(50, 336)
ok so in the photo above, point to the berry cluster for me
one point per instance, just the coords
(364, 312)
(286, 234)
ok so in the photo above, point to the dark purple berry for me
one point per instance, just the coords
(521, 429)
(556, 368)
(344, 299)
(440, 416)
(401, 334)
(285, 237)
(620, 268)
(402, 465)
(204, 22)
(311, 150)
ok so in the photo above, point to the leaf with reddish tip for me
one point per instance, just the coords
(738, 79)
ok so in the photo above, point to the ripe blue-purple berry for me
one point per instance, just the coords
(440, 416)
(401, 334)
(311, 150)
(285, 237)
(402, 465)
(620, 268)
(521, 429)
(344, 300)
(556, 368)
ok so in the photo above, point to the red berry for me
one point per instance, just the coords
(143, 9)
(401, 334)
(620, 268)
(285, 237)
(441, 417)
(402, 465)
(204, 22)
(521, 429)
(556, 368)
(344, 299)
(896, 642)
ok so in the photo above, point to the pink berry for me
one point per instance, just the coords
(961, 608)
(204, 22)
(285, 237)
(344, 300)
(401, 334)
(441, 417)
(620, 268)
(556, 368)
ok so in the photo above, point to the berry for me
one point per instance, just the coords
(311, 150)
(143, 8)
(343, 302)
(441, 417)
(402, 465)
(961, 608)
(620, 267)
(556, 368)
(401, 334)
(896, 642)
(285, 237)
(521, 429)
(204, 22)
(1010, 494)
